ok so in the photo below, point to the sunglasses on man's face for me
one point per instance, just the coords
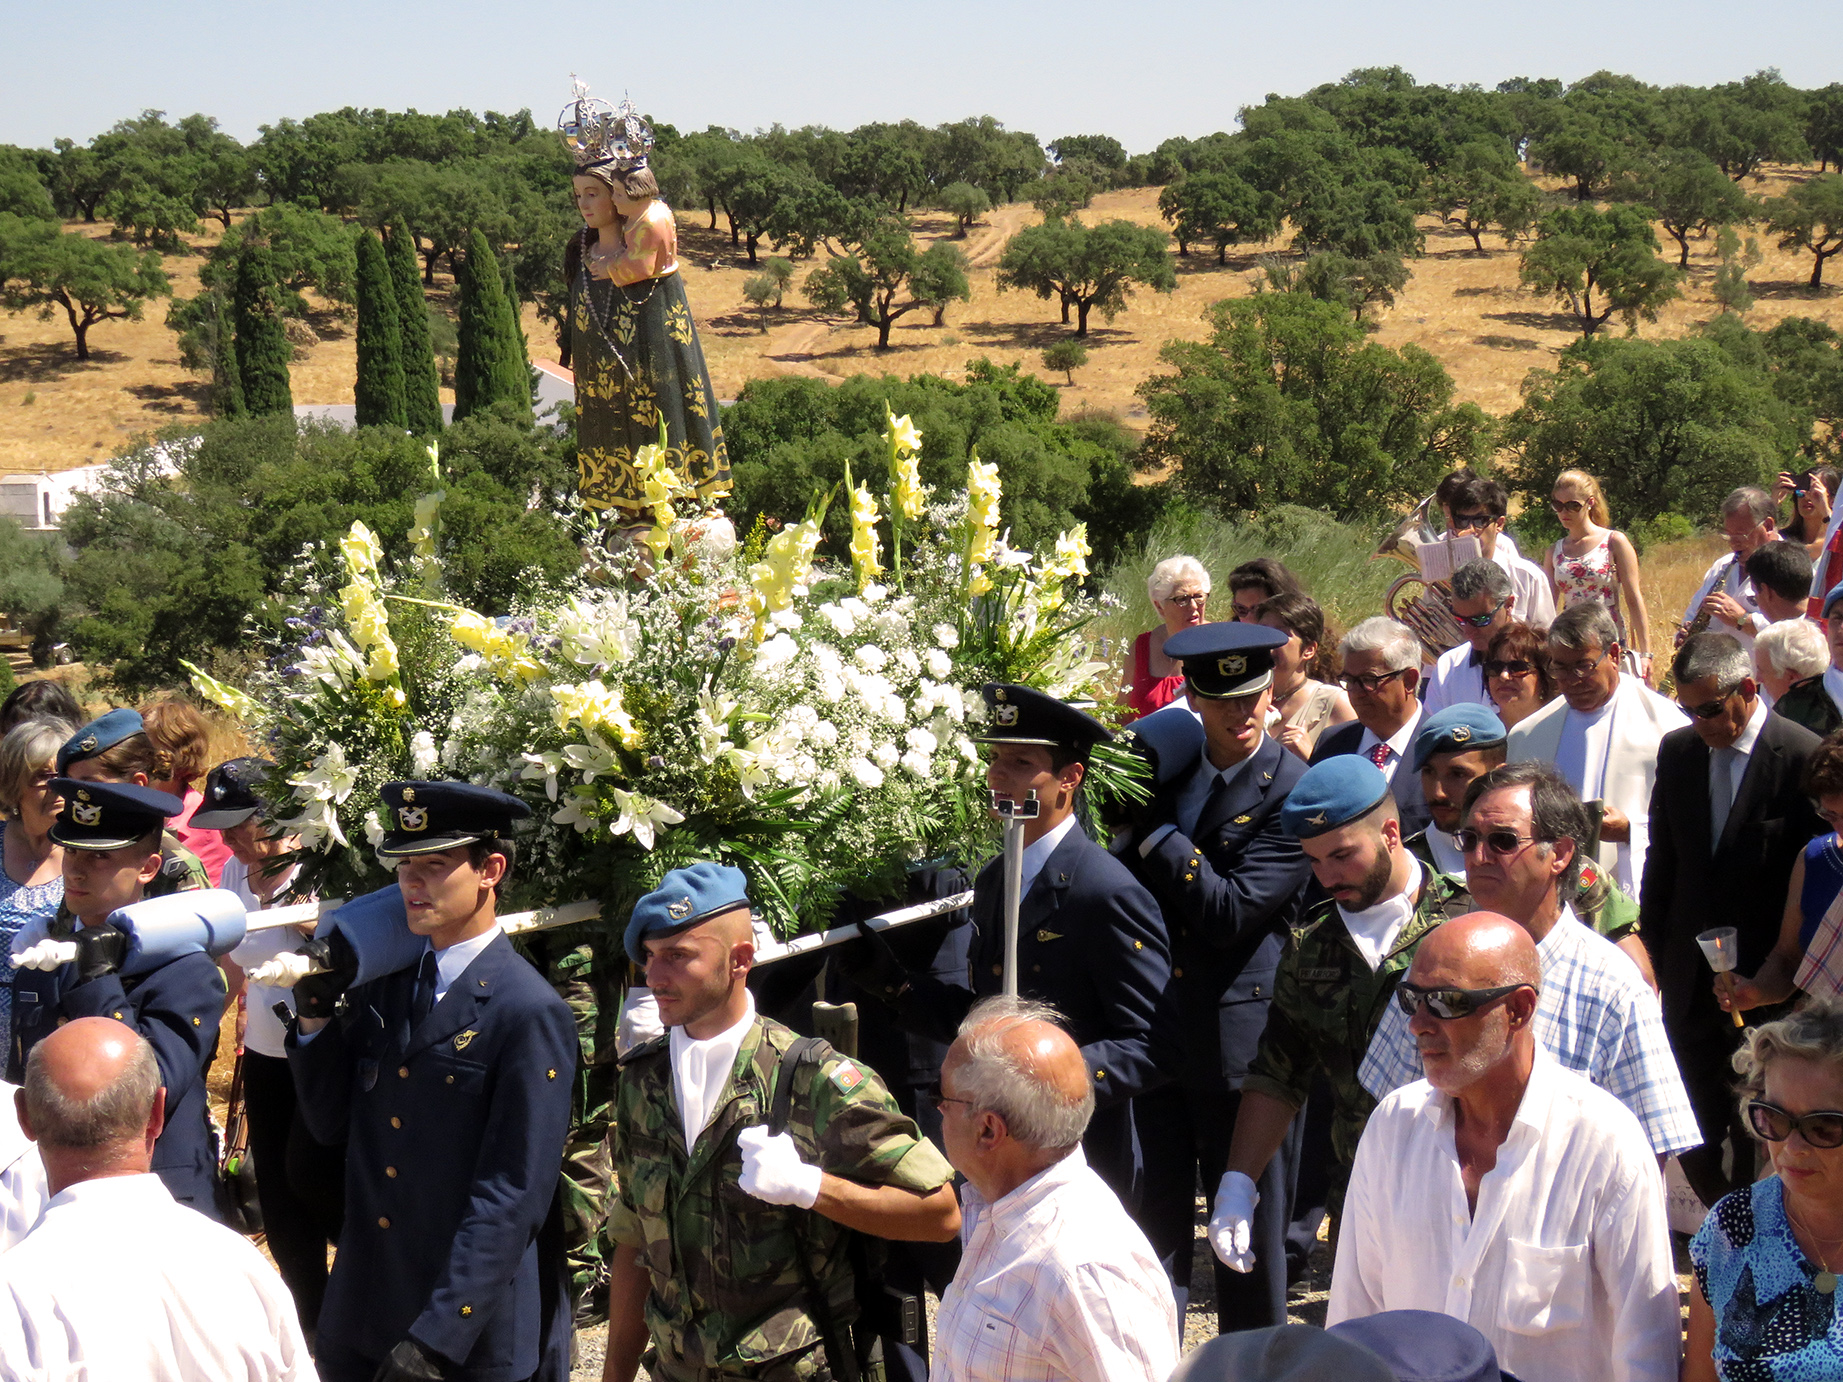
(1448, 1004)
(1708, 710)
(1372, 685)
(1821, 1130)
(1482, 621)
(1499, 842)
(1472, 522)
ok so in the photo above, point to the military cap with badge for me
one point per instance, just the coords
(1024, 715)
(1344, 788)
(1460, 728)
(1226, 659)
(428, 817)
(109, 815)
(685, 898)
(231, 795)
(99, 736)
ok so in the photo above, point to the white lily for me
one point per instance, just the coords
(543, 767)
(647, 819)
(593, 759)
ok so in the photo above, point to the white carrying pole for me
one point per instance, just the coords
(1015, 814)
(284, 971)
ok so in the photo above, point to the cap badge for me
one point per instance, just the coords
(999, 694)
(1005, 714)
(413, 818)
(680, 909)
(409, 794)
(86, 815)
(1232, 666)
(1320, 819)
(87, 743)
(1460, 733)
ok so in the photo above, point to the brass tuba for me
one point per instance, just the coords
(1423, 605)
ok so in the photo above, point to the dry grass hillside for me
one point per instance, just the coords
(1464, 306)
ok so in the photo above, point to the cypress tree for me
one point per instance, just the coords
(486, 363)
(379, 389)
(521, 359)
(226, 378)
(422, 398)
(262, 348)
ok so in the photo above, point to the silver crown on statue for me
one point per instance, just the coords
(599, 135)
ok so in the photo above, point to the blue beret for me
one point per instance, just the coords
(1227, 658)
(108, 815)
(1836, 593)
(1462, 727)
(1333, 793)
(98, 735)
(427, 817)
(1022, 715)
(1421, 1346)
(684, 898)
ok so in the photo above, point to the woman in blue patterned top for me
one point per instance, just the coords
(1769, 1258)
(32, 879)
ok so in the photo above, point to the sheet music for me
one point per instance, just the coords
(1440, 559)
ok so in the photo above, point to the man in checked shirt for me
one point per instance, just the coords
(1056, 1283)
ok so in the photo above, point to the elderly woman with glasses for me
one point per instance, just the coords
(32, 880)
(1179, 588)
(1769, 1257)
(1517, 676)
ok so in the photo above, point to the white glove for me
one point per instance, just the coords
(45, 955)
(772, 1169)
(639, 1021)
(1231, 1225)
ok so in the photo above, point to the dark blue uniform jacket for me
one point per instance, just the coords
(455, 1136)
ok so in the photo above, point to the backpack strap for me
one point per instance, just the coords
(805, 1051)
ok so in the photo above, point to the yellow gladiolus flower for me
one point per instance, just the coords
(864, 545)
(362, 552)
(900, 433)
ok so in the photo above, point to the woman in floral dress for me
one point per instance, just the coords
(1594, 562)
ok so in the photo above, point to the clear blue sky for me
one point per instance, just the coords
(1140, 71)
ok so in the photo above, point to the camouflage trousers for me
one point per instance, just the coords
(587, 973)
(803, 1367)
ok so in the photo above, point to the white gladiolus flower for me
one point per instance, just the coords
(423, 756)
(946, 635)
(867, 773)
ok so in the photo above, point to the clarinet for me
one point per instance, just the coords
(1697, 625)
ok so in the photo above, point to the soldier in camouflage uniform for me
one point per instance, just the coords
(731, 1257)
(1342, 962)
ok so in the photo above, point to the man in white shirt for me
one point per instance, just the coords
(1505, 1190)
(184, 1297)
(1382, 672)
(1598, 1014)
(22, 1174)
(1055, 1283)
(1726, 594)
(1484, 600)
(1601, 734)
(1480, 508)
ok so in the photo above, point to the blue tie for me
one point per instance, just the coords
(423, 1002)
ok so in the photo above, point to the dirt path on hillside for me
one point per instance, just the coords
(792, 349)
(984, 248)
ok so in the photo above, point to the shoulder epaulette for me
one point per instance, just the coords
(655, 1047)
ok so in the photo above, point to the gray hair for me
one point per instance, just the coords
(1396, 642)
(992, 1080)
(1168, 573)
(1483, 579)
(1813, 1033)
(1716, 655)
(1584, 624)
(24, 752)
(1755, 502)
(1795, 647)
(116, 1113)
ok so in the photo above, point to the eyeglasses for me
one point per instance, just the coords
(1483, 621)
(1509, 667)
(1500, 842)
(1576, 671)
(1371, 685)
(937, 1098)
(1448, 1004)
(1833, 819)
(1186, 599)
(1708, 710)
(1821, 1130)
(1566, 505)
(1469, 522)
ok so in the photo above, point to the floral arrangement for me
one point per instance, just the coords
(687, 697)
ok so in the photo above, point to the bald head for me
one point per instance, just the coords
(1013, 1058)
(1476, 951)
(92, 1101)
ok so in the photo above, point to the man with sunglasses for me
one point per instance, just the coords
(1505, 1189)
(1382, 672)
(1480, 508)
(1726, 596)
(1598, 1014)
(1228, 876)
(1373, 905)
(1601, 734)
(1483, 602)
(1729, 818)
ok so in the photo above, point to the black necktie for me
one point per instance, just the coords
(423, 1001)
